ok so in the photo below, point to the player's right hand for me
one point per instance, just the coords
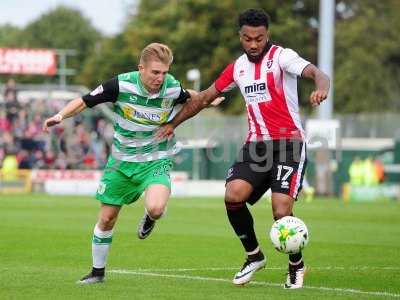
(317, 97)
(54, 120)
(165, 131)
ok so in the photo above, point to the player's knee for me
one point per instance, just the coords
(106, 222)
(234, 195)
(279, 213)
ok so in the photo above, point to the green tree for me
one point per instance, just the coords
(62, 28)
(367, 60)
(10, 36)
(111, 57)
(204, 34)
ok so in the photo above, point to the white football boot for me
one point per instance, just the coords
(295, 278)
(252, 264)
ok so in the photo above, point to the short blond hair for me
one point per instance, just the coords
(156, 51)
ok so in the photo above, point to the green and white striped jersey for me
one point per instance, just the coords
(138, 114)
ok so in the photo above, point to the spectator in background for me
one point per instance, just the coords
(10, 91)
(356, 172)
(50, 159)
(27, 142)
(379, 170)
(9, 167)
(308, 191)
(25, 159)
(10, 99)
(2, 155)
(35, 126)
(61, 162)
(5, 124)
(83, 138)
(20, 127)
(370, 175)
(38, 158)
(6, 139)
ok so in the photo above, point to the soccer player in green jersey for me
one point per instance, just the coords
(143, 100)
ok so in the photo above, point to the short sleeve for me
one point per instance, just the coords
(106, 92)
(291, 62)
(225, 82)
(183, 96)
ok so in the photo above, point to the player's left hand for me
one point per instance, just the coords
(165, 131)
(317, 97)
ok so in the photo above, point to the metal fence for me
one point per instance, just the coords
(234, 128)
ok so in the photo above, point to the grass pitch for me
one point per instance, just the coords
(45, 245)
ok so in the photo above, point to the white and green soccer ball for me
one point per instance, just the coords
(289, 235)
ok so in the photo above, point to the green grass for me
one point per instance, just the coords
(45, 247)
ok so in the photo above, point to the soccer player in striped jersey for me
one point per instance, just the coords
(143, 100)
(274, 154)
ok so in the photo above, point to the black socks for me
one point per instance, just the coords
(98, 271)
(242, 222)
(296, 261)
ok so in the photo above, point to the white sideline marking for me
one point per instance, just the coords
(360, 268)
(263, 283)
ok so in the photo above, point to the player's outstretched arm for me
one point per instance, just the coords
(72, 108)
(217, 101)
(321, 84)
(189, 109)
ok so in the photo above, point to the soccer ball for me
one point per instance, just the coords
(289, 235)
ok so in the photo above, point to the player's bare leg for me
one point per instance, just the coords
(155, 203)
(236, 194)
(102, 238)
(282, 205)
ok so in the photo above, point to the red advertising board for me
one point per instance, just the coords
(28, 61)
(43, 175)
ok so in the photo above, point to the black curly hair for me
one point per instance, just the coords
(253, 17)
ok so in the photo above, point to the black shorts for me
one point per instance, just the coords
(277, 165)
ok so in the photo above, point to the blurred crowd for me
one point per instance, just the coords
(366, 172)
(80, 143)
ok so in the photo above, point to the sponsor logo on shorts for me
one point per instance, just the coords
(230, 173)
(284, 185)
(162, 170)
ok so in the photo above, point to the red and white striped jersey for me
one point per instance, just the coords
(269, 88)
